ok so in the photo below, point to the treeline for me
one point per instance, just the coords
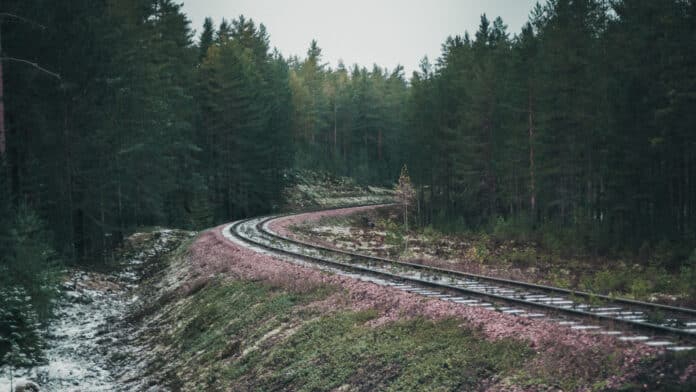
(578, 128)
(143, 127)
(581, 122)
(582, 126)
(348, 121)
(130, 123)
(115, 119)
(243, 103)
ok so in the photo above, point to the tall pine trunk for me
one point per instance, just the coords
(532, 184)
(2, 106)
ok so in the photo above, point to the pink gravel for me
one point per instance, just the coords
(688, 373)
(213, 254)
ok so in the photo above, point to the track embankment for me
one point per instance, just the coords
(227, 314)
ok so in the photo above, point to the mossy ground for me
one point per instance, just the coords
(234, 335)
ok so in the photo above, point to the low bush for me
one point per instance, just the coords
(29, 274)
(21, 343)
(527, 257)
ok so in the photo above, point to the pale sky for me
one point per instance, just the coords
(382, 32)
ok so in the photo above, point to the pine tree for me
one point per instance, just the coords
(206, 39)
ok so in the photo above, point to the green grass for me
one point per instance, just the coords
(222, 342)
(406, 356)
(223, 310)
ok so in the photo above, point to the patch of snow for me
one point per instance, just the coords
(80, 340)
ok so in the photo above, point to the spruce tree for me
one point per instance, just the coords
(206, 39)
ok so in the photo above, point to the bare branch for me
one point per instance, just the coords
(37, 66)
(9, 15)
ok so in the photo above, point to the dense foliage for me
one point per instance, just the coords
(580, 126)
(348, 121)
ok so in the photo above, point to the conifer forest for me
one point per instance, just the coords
(118, 115)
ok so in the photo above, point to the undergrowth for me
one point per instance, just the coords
(252, 336)
(549, 255)
(244, 336)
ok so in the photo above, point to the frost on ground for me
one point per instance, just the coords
(87, 339)
(314, 189)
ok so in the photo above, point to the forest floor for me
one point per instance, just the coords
(381, 232)
(311, 190)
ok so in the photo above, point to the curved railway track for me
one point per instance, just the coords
(667, 326)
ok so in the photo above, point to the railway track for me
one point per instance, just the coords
(673, 328)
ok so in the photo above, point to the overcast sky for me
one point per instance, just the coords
(385, 32)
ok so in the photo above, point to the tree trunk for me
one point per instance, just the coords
(2, 106)
(406, 216)
(406, 224)
(69, 179)
(379, 145)
(532, 185)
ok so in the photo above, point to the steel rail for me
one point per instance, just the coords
(508, 282)
(234, 230)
